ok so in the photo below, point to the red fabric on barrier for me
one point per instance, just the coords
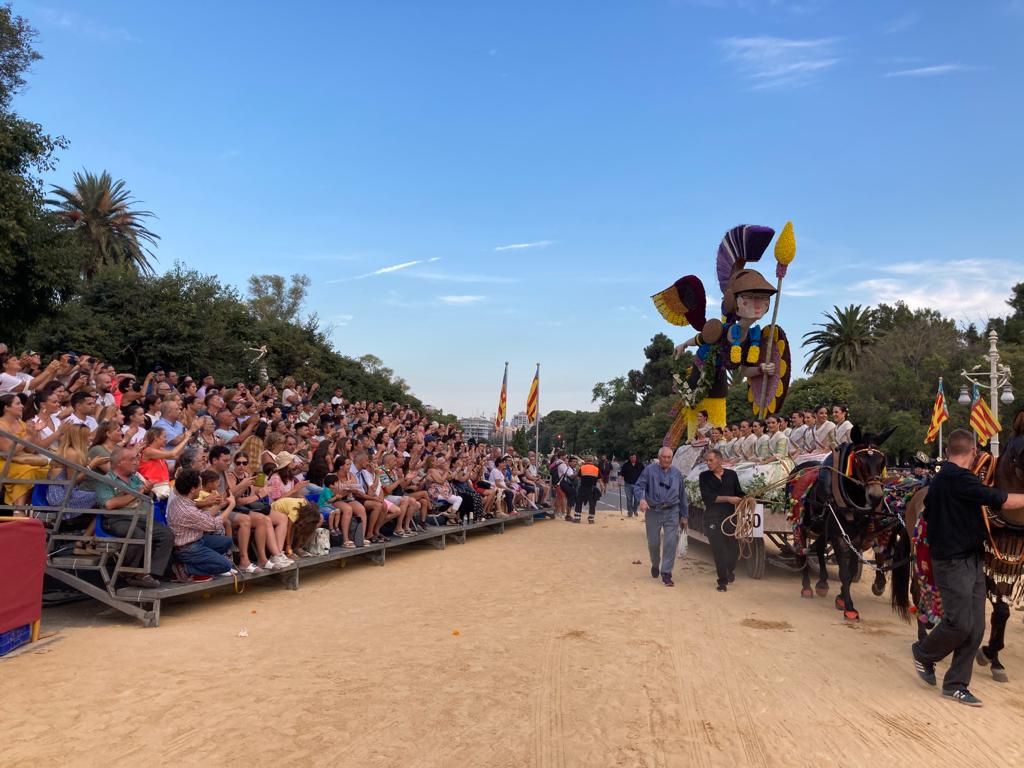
(22, 562)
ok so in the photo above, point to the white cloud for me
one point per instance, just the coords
(932, 71)
(776, 62)
(460, 277)
(341, 320)
(901, 23)
(521, 246)
(964, 290)
(382, 270)
(801, 288)
(79, 24)
(394, 267)
(461, 299)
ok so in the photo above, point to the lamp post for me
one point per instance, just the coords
(998, 386)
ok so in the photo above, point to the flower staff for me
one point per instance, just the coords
(785, 252)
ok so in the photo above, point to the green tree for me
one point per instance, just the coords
(99, 213)
(655, 380)
(520, 441)
(38, 266)
(843, 338)
(272, 299)
(827, 388)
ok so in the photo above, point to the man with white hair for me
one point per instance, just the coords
(662, 494)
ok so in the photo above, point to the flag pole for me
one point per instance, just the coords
(940, 423)
(504, 394)
(537, 437)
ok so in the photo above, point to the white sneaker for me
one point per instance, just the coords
(282, 560)
(270, 565)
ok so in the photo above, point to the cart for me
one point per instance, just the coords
(770, 525)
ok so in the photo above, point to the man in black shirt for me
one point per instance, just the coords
(956, 536)
(720, 491)
(630, 473)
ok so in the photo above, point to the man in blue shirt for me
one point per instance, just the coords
(662, 495)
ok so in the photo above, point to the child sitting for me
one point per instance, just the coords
(338, 499)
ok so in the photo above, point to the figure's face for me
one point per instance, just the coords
(752, 306)
(838, 414)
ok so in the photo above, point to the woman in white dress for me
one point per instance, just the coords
(824, 431)
(844, 428)
(777, 464)
(761, 444)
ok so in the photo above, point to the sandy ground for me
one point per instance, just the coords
(544, 646)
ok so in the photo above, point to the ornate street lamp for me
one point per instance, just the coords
(998, 379)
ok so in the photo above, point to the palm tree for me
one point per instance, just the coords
(842, 339)
(98, 209)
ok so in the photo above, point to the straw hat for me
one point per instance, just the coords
(284, 459)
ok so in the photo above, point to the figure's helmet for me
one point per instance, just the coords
(748, 294)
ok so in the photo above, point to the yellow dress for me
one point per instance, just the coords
(15, 471)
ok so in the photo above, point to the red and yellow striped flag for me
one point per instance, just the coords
(982, 420)
(500, 418)
(940, 414)
(533, 399)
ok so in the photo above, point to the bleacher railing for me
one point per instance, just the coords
(61, 541)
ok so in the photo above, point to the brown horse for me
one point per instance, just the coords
(1009, 476)
(845, 509)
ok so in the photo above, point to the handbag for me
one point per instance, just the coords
(320, 543)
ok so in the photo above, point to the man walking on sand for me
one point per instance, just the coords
(630, 473)
(662, 494)
(720, 491)
(956, 536)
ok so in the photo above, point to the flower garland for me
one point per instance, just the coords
(707, 361)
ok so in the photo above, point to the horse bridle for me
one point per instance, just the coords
(870, 451)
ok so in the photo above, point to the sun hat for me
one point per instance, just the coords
(283, 459)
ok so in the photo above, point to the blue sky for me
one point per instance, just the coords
(474, 182)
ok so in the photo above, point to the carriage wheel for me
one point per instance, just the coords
(756, 561)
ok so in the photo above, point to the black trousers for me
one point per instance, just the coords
(163, 543)
(961, 583)
(587, 493)
(724, 548)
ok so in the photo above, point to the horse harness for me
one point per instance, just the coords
(1004, 546)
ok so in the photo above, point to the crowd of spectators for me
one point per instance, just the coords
(248, 472)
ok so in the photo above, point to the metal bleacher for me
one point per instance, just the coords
(98, 576)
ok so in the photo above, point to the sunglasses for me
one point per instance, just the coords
(241, 463)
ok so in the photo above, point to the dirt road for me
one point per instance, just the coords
(541, 647)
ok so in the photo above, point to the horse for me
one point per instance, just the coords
(845, 508)
(1003, 566)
